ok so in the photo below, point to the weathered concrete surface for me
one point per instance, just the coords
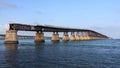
(65, 37)
(39, 37)
(55, 37)
(11, 36)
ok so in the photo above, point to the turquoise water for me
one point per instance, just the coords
(77, 54)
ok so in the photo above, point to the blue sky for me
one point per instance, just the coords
(100, 15)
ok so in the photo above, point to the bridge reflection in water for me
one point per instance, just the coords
(76, 34)
(11, 55)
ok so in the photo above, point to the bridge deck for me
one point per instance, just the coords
(47, 28)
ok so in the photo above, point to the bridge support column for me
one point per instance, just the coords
(93, 36)
(39, 37)
(65, 36)
(55, 37)
(77, 36)
(87, 37)
(81, 37)
(11, 37)
(72, 36)
(90, 36)
(84, 36)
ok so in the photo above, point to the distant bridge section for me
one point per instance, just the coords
(81, 34)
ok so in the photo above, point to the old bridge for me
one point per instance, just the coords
(76, 34)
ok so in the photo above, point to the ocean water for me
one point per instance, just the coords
(71, 54)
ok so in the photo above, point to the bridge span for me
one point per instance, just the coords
(76, 33)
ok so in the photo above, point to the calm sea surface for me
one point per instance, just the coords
(77, 54)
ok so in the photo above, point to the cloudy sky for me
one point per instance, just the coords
(102, 16)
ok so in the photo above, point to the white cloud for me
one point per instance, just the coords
(3, 28)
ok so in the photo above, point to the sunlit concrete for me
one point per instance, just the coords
(39, 37)
(11, 36)
(55, 36)
(65, 36)
(72, 36)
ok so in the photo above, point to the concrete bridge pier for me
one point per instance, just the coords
(84, 36)
(72, 36)
(91, 37)
(65, 36)
(87, 37)
(39, 37)
(81, 36)
(96, 37)
(55, 37)
(77, 36)
(11, 37)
